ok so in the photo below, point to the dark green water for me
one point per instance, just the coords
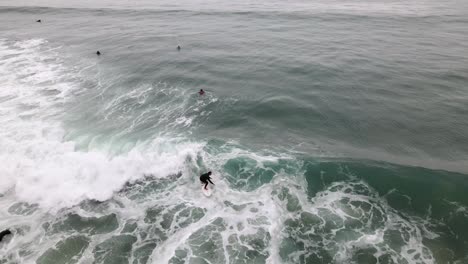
(336, 132)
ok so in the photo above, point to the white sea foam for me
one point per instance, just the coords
(39, 166)
(358, 204)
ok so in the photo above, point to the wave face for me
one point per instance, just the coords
(332, 136)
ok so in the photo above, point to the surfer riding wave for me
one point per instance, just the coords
(205, 178)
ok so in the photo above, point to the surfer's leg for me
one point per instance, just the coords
(206, 184)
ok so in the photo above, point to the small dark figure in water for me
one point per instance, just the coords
(98, 53)
(205, 178)
(201, 92)
(38, 21)
(178, 47)
(4, 233)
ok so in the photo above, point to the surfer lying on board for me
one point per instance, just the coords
(205, 178)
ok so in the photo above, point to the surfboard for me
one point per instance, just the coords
(208, 192)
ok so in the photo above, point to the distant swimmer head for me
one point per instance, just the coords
(98, 53)
(201, 92)
(178, 47)
(38, 21)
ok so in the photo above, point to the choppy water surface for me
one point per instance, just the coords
(336, 132)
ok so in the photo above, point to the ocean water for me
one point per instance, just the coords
(337, 131)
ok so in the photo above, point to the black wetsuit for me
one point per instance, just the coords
(205, 178)
(4, 233)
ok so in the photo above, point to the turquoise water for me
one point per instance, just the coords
(336, 132)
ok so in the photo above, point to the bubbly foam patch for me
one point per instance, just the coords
(349, 223)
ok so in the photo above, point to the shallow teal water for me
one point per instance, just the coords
(337, 132)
